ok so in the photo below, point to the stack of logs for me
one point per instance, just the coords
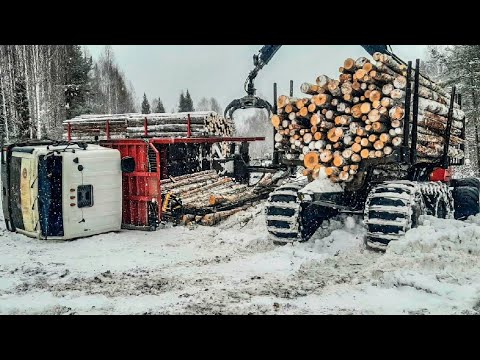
(202, 123)
(360, 116)
(204, 193)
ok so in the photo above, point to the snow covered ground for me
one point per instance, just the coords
(233, 269)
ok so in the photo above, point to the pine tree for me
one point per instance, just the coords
(188, 102)
(145, 105)
(181, 103)
(21, 106)
(159, 108)
(77, 81)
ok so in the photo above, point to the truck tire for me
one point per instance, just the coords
(282, 214)
(466, 200)
(472, 182)
(391, 209)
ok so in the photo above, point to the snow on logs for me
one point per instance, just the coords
(202, 123)
(342, 122)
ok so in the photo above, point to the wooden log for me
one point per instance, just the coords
(364, 153)
(360, 62)
(322, 81)
(365, 143)
(309, 89)
(345, 77)
(397, 94)
(332, 171)
(387, 102)
(378, 145)
(215, 218)
(396, 113)
(387, 89)
(338, 160)
(310, 159)
(439, 109)
(387, 150)
(381, 77)
(325, 156)
(349, 65)
(282, 101)
(365, 108)
(334, 87)
(276, 121)
(397, 141)
(379, 127)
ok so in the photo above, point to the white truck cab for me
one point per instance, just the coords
(61, 191)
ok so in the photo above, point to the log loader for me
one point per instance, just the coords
(391, 192)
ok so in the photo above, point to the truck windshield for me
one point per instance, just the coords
(50, 195)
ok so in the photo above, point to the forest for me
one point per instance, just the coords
(42, 85)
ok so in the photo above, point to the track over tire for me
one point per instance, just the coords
(466, 201)
(283, 213)
(392, 208)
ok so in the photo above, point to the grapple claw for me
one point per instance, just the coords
(247, 102)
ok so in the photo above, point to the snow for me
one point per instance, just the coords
(233, 268)
(322, 184)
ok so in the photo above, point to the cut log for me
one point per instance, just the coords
(311, 160)
(322, 81)
(325, 156)
(396, 113)
(397, 141)
(397, 94)
(378, 145)
(309, 89)
(379, 127)
(387, 102)
(276, 121)
(365, 108)
(387, 89)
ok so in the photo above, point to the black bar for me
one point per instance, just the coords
(275, 151)
(408, 96)
(291, 87)
(413, 152)
(446, 141)
(459, 100)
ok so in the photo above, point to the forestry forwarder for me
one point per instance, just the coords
(391, 192)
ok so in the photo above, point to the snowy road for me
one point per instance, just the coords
(233, 269)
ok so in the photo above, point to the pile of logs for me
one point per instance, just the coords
(360, 116)
(202, 123)
(205, 194)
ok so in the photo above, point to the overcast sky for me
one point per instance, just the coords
(220, 70)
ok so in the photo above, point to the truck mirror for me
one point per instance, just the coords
(128, 164)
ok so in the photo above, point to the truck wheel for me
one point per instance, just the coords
(391, 209)
(466, 200)
(282, 214)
